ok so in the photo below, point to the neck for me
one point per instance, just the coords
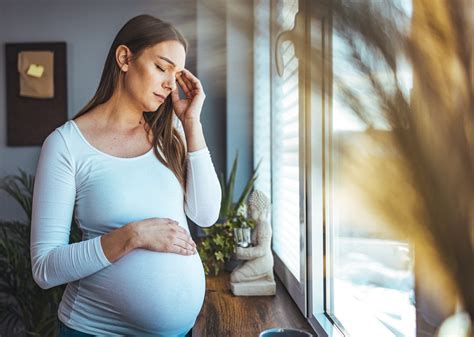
(119, 113)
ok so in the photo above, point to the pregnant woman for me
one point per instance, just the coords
(129, 177)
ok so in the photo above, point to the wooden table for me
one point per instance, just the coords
(226, 315)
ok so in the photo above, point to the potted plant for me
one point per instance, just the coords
(217, 247)
(25, 307)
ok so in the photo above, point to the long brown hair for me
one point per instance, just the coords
(137, 34)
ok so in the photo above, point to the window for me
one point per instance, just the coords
(371, 292)
(347, 273)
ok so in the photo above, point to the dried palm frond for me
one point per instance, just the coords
(427, 190)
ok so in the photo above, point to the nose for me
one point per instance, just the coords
(170, 83)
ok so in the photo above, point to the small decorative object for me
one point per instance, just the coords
(242, 227)
(255, 276)
(242, 236)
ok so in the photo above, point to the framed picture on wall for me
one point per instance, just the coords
(36, 85)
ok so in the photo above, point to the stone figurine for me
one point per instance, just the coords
(255, 276)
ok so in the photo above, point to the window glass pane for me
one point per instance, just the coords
(371, 287)
(285, 147)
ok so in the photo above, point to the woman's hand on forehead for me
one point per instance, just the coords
(191, 106)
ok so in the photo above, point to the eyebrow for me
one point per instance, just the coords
(167, 60)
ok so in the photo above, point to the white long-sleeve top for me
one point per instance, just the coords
(144, 293)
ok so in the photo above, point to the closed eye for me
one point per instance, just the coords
(159, 67)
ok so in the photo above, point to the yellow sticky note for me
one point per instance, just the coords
(35, 70)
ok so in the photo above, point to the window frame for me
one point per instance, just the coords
(296, 289)
(319, 117)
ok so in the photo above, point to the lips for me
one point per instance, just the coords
(160, 96)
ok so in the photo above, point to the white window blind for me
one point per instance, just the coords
(285, 147)
(262, 131)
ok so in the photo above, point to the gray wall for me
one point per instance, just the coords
(88, 27)
(225, 34)
(212, 69)
(239, 39)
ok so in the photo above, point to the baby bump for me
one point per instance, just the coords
(157, 291)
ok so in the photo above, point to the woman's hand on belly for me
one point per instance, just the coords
(163, 235)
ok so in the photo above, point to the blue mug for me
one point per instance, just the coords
(284, 332)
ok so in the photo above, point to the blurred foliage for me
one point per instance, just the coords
(426, 192)
(25, 308)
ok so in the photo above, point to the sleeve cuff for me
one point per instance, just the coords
(100, 252)
(199, 153)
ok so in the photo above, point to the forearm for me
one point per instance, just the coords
(66, 263)
(194, 136)
(203, 192)
(120, 242)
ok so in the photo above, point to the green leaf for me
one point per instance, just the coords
(219, 256)
(219, 240)
(228, 190)
(224, 194)
(249, 185)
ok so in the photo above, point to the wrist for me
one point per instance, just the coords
(193, 131)
(190, 124)
(120, 242)
(133, 235)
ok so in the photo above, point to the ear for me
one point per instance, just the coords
(122, 57)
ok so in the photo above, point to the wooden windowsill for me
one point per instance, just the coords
(226, 315)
